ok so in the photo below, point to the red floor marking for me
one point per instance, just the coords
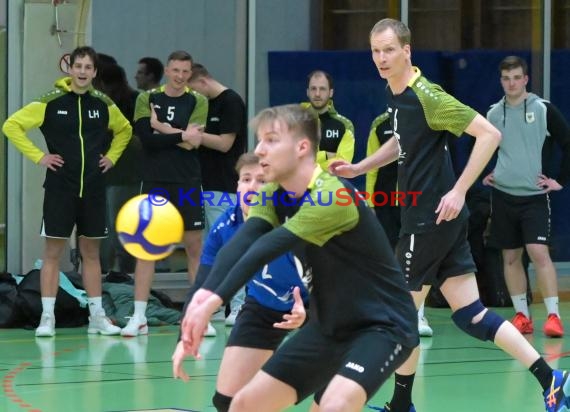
(8, 382)
(8, 385)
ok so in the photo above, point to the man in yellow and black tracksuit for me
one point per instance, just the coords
(75, 120)
(337, 132)
(383, 182)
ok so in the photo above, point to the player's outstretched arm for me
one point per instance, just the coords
(234, 250)
(343, 168)
(265, 249)
(178, 357)
(386, 154)
(193, 326)
(194, 298)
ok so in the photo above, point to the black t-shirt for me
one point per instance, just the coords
(128, 169)
(226, 114)
(423, 117)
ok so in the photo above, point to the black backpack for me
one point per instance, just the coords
(68, 312)
(10, 314)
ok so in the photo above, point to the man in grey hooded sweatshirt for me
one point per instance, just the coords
(520, 202)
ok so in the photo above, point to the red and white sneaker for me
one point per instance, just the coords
(553, 327)
(522, 323)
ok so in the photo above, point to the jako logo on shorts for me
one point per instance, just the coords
(354, 366)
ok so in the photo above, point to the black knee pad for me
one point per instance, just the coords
(485, 329)
(221, 402)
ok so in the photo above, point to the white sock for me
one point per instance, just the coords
(95, 305)
(520, 304)
(140, 309)
(48, 306)
(552, 305)
(421, 311)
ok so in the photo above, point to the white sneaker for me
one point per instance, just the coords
(100, 323)
(210, 331)
(231, 319)
(47, 326)
(423, 327)
(136, 326)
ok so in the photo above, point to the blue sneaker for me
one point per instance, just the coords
(386, 408)
(555, 397)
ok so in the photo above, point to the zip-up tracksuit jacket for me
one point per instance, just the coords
(75, 126)
(337, 135)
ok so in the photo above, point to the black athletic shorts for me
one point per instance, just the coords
(519, 220)
(430, 258)
(185, 196)
(254, 327)
(308, 360)
(63, 210)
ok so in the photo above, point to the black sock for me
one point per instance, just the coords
(542, 372)
(402, 398)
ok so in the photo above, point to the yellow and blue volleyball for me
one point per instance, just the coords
(149, 230)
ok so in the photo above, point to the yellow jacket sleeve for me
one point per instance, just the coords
(122, 132)
(142, 106)
(15, 127)
(200, 113)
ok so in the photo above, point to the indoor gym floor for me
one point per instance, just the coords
(77, 372)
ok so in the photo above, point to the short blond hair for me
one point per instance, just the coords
(400, 29)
